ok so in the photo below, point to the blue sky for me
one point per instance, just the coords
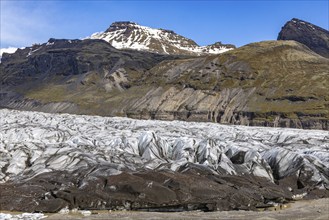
(25, 22)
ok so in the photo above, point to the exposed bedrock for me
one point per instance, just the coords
(316, 38)
(270, 83)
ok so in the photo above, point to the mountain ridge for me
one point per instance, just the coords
(314, 37)
(130, 35)
(231, 88)
(270, 83)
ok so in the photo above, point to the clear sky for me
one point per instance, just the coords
(24, 22)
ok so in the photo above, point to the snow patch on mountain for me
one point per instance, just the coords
(7, 50)
(129, 35)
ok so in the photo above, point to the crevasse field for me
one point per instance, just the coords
(34, 144)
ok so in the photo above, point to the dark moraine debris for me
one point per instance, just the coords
(147, 191)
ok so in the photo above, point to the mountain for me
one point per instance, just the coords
(129, 35)
(53, 162)
(63, 58)
(271, 83)
(316, 38)
(7, 50)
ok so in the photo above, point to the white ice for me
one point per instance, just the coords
(32, 143)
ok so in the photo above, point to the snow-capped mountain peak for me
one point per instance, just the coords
(130, 35)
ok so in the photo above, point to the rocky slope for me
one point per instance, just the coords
(129, 35)
(8, 50)
(273, 83)
(52, 161)
(83, 67)
(316, 38)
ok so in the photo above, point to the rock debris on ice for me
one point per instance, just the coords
(32, 143)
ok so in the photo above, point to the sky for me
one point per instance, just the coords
(239, 22)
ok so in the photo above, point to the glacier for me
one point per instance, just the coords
(33, 144)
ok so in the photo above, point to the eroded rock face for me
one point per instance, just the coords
(316, 38)
(92, 77)
(50, 161)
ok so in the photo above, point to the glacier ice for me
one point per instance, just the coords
(32, 143)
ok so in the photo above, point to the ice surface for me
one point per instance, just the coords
(23, 216)
(32, 143)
